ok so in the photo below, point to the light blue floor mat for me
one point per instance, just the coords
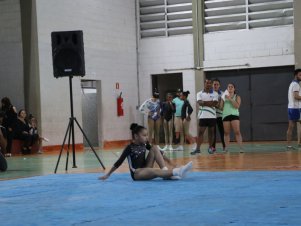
(225, 198)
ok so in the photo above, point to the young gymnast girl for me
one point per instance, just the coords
(141, 167)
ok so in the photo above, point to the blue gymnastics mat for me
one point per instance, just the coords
(203, 198)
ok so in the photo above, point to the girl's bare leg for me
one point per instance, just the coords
(154, 155)
(227, 127)
(151, 130)
(236, 128)
(151, 173)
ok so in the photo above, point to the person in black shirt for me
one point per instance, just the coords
(22, 132)
(168, 110)
(186, 112)
(8, 122)
(141, 167)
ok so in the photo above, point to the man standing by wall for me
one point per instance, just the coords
(207, 100)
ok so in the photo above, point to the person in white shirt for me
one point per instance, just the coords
(293, 106)
(219, 114)
(207, 100)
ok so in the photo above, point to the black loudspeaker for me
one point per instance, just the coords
(68, 53)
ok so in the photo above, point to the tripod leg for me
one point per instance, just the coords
(67, 158)
(89, 143)
(73, 143)
(58, 161)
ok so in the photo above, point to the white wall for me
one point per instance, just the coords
(110, 56)
(157, 54)
(261, 47)
(11, 59)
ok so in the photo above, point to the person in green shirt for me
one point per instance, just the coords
(230, 105)
(179, 129)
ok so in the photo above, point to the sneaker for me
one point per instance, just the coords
(196, 151)
(40, 152)
(241, 151)
(8, 155)
(45, 139)
(185, 169)
(290, 148)
(170, 148)
(211, 150)
(165, 148)
(180, 148)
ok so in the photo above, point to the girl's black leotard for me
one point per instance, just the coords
(135, 153)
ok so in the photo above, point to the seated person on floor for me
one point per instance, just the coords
(142, 165)
(22, 132)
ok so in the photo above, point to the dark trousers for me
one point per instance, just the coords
(219, 124)
(29, 139)
(9, 139)
(3, 163)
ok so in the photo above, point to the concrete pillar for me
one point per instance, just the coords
(11, 61)
(198, 41)
(31, 58)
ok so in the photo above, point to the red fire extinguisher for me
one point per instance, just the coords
(120, 105)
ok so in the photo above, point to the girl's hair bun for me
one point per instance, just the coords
(133, 126)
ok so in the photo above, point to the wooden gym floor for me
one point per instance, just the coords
(257, 156)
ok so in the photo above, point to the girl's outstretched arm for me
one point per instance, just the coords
(123, 156)
(107, 175)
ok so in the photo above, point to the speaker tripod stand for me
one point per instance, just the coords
(71, 137)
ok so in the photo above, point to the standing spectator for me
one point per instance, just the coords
(293, 106)
(9, 120)
(168, 109)
(219, 114)
(207, 100)
(178, 121)
(186, 113)
(231, 104)
(152, 108)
